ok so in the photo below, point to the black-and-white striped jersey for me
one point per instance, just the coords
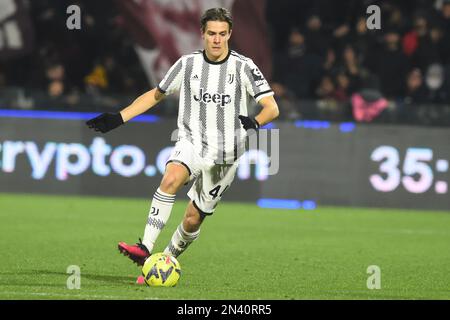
(212, 96)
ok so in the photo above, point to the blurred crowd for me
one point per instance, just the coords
(94, 67)
(329, 54)
(326, 62)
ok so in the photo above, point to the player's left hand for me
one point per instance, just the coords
(249, 123)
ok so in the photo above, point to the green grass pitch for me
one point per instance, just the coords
(243, 252)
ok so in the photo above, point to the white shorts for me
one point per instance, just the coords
(210, 180)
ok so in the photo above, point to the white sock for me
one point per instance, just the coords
(181, 239)
(160, 210)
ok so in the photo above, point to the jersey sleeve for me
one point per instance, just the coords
(257, 86)
(173, 78)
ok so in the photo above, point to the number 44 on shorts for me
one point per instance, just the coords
(216, 190)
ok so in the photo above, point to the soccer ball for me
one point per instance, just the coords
(161, 270)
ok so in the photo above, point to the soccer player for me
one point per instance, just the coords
(215, 86)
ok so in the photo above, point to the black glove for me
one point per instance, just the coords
(249, 123)
(105, 122)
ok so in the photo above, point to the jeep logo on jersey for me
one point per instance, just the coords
(258, 77)
(218, 98)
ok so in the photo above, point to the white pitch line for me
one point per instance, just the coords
(81, 296)
(381, 231)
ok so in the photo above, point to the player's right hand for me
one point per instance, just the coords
(105, 122)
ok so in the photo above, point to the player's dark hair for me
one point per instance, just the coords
(216, 14)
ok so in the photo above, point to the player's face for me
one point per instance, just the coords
(215, 39)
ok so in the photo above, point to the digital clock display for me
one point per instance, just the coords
(417, 171)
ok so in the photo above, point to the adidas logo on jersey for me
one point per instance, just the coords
(218, 98)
